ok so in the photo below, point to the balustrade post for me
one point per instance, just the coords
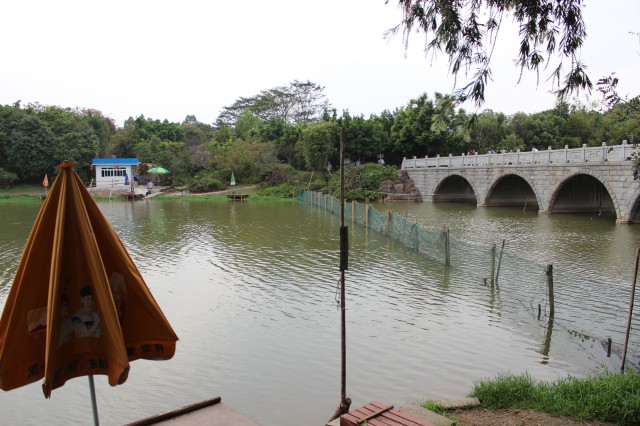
(502, 162)
(450, 160)
(624, 150)
(438, 160)
(584, 152)
(604, 152)
(566, 154)
(518, 157)
(414, 162)
(403, 160)
(548, 155)
(475, 158)
(489, 158)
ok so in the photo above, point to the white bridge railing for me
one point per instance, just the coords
(599, 154)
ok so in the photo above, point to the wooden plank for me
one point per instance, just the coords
(379, 414)
(175, 413)
(375, 413)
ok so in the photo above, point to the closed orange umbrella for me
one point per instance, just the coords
(78, 304)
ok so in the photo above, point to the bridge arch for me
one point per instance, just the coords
(587, 202)
(632, 213)
(511, 189)
(455, 188)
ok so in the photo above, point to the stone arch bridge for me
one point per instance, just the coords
(588, 179)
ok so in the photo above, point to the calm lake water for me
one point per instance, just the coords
(250, 290)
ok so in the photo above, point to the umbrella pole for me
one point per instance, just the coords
(94, 405)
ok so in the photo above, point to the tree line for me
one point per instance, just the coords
(266, 137)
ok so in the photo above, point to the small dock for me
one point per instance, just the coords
(377, 413)
(131, 196)
(237, 196)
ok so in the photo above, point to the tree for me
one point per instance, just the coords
(466, 32)
(363, 138)
(246, 124)
(411, 131)
(452, 132)
(298, 102)
(318, 143)
(489, 129)
(31, 148)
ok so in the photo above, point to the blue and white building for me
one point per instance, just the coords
(111, 172)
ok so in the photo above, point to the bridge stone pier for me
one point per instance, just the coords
(588, 179)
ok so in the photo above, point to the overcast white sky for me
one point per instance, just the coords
(168, 59)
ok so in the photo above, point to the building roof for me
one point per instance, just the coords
(115, 161)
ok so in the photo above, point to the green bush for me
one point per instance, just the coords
(206, 182)
(363, 180)
(284, 190)
(374, 173)
(7, 179)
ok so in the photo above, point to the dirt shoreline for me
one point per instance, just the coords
(478, 416)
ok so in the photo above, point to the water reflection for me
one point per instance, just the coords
(250, 290)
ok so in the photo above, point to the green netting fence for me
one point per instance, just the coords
(432, 243)
(521, 284)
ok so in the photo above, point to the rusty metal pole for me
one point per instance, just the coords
(633, 293)
(344, 249)
(345, 402)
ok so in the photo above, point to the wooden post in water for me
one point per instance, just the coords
(633, 293)
(366, 215)
(493, 264)
(448, 261)
(499, 261)
(444, 236)
(539, 310)
(353, 211)
(550, 288)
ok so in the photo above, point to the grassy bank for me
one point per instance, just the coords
(21, 193)
(610, 397)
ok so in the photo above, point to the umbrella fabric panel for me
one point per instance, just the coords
(29, 317)
(76, 273)
(146, 331)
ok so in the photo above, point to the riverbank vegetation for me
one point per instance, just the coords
(288, 138)
(610, 397)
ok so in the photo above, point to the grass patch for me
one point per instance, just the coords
(435, 406)
(15, 199)
(609, 397)
(24, 189)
